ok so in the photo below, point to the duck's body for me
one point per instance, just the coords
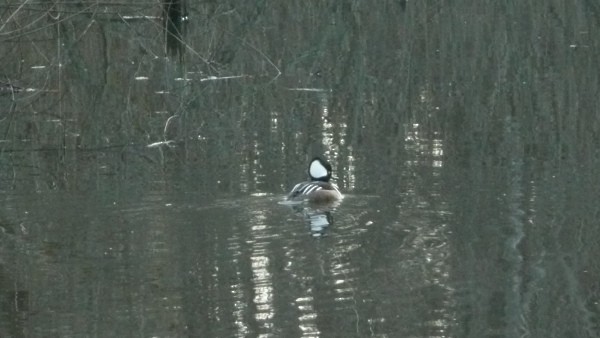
(315, 191)
(318, 189)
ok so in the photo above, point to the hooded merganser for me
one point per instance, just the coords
(318, 189)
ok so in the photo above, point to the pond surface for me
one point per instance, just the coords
(143, 162)
(176, 263)
(449, 259)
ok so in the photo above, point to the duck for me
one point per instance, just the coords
(318, 189)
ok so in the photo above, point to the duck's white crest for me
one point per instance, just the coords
(317, 170)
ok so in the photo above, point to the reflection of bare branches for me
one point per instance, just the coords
(13, 14)
(266, 58)
(171, 132)
(21, 31)
(172, 129)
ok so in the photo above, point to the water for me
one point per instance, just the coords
(440, 258)
(182, 264)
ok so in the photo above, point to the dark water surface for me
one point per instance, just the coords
(142, 164)
(493, 257)
(180, 264)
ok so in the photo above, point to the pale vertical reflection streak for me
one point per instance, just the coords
(237, 291)
(437, 153)
(344, 274)
(422, 150)
(512, 254)
(244, 172)
(261, 277)
(308, 316)
(332, 149)
(326, 125)
(245, 163)
(275, 131)
(256, 173)
(349, 175)
(274, 122)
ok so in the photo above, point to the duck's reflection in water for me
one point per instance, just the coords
(319, 218)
